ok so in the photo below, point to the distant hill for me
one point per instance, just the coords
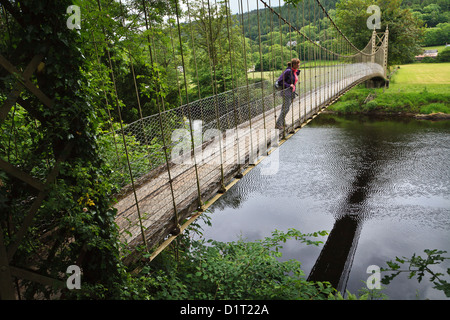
(434, 13)
(293, 15)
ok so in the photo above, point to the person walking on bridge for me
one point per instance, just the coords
(287, 81)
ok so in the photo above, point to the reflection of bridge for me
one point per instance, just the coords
(162, 192)
(336, 258)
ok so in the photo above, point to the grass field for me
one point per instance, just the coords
(417, 77)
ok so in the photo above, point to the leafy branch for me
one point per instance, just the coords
(420, 267)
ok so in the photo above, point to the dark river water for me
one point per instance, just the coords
(380, 187)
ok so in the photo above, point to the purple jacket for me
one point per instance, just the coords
(287, 78)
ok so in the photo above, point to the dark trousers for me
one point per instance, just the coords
(288, 97)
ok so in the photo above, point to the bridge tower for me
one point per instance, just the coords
(386, 42)
(379, 42)
(374, 45)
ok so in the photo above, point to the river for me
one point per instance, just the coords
(379, 186)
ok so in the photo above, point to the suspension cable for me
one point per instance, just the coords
(200, 203)
(123, 138)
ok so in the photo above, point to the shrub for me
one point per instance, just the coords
(351, 106)
(371, 105)
(444, 55)
(429, 60)
(231, 270)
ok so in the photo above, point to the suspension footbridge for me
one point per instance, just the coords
(236, 130)
(169, 166)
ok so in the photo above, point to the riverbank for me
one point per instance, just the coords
(432, 116)
(417, 90)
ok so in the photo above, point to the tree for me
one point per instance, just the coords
(432, 15)
(438, 35)
(276, 59)
(73, 221)
(214, 36)
(405, 30)
(444, 55)
(420, 267)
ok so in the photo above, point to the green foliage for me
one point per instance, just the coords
(392, 102)
(347, 107)
(233, 270)
(428, 60)
(420, 267)
(372, 294)
(434, 108)
(444, 55)
(75, 222)
(432, 14)
(276, 59)
(405, 30)
(437, 35)
(142, 156)
(348, 296)
(218, 43)
(371, 106)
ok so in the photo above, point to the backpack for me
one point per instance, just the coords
(278, 85)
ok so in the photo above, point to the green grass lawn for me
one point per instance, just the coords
(417, 77)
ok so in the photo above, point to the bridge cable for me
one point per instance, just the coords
(273, 63)
(123, 136)
(308, 38)
(261, 62)
(213, 61)
(304, 61)
(290, 52)
(106, 98)
(138, 100)
(170, 27)
(300, 83)
(229, 16)
(158, 90)
(200, 203)
(282, 68)
(246, 77)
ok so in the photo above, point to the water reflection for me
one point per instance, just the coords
(336, 258)
(376, 153)
(390, 177)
